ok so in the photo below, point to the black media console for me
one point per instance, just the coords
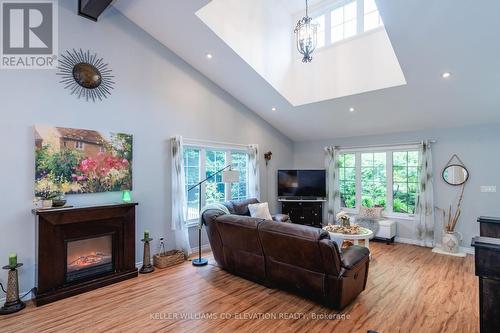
(306, 212)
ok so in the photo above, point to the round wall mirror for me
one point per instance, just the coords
(87, 75)
(455, 174)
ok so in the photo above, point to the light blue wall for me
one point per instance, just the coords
(477, 146)
(157, 96)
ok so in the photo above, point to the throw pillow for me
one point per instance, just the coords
(260, 210)
(370, 213)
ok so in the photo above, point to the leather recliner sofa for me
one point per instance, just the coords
(286, 255)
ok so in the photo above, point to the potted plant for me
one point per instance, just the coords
(58, 200)
(451, 238)
(46, 192)
(344, 219)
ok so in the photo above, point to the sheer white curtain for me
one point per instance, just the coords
(425, 203)
(253, 172)
(332, 183)
(179, 207)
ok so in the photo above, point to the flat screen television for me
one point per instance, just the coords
(301, 183)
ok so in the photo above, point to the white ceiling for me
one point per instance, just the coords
(428, 37)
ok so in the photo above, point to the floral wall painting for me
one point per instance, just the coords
(69, 160)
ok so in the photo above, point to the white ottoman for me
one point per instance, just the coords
(386, 230)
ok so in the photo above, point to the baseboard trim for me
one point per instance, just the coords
(28, 297)
(466, 249)
(204, 247)
(408, 241)
(194, 250)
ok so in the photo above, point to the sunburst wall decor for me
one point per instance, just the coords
(85, 75)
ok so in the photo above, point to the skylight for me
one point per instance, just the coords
(261, 33)
(340, 20)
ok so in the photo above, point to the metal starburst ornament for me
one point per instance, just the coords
(306, 33)
(85, 75)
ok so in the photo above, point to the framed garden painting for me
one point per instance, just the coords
(69, 160)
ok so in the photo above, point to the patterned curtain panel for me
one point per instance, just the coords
(253, 172)
(332, 183)
(179, 206)
(425, 203)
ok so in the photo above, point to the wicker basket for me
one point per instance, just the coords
(168, 259)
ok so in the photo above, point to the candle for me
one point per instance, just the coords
(146, 234)
(12, 260)
(126, 197)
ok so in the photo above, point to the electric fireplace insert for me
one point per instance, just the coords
(89, 257)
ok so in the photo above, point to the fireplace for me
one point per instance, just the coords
(81, 249)
(89, 257)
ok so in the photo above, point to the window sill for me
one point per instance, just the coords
(192, 223)
(349, 39)
(396, 216)
(388, 216)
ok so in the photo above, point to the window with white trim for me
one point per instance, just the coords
(405, 179)
(320, 22)
(344, 19)
(372, 17)
(373, 179)
(344, 22)
(380, 177)
(203, 162)
(347, 180)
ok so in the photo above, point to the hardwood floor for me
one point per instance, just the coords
(410, 289)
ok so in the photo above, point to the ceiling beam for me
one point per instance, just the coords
(92, 9)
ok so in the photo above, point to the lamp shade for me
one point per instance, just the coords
(230, 176)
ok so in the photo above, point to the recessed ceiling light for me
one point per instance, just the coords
(446, 75)
(209, 55)
(273, 109)
(351, 109)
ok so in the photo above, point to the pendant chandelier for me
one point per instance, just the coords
(306, 33)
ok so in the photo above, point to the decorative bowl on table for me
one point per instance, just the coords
(58, 203)
(338, 229)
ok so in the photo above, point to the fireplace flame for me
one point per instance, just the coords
(92, 259)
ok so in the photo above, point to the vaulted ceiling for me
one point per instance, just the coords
(428, 38)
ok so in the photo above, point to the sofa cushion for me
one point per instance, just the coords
(209, 219)
(240, 207)
(293, 257)
(241, 246)
(370, 213)
(353, 255)
(260, 210)
(281, 218)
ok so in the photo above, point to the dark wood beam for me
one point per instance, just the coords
(92, 9)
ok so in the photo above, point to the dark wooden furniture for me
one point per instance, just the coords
(489, 226)
(57, 227)
(487, 262)
(304, 212)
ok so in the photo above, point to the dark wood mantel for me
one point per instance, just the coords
(56, 227)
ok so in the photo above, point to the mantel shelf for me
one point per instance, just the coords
(38, 211)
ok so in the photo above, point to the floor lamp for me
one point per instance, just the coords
(228, 176)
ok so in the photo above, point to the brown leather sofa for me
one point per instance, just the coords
(286, 255)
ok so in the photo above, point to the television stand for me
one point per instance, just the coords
(301, 199)
(304, 211)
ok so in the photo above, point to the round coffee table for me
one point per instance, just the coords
(364, 234)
